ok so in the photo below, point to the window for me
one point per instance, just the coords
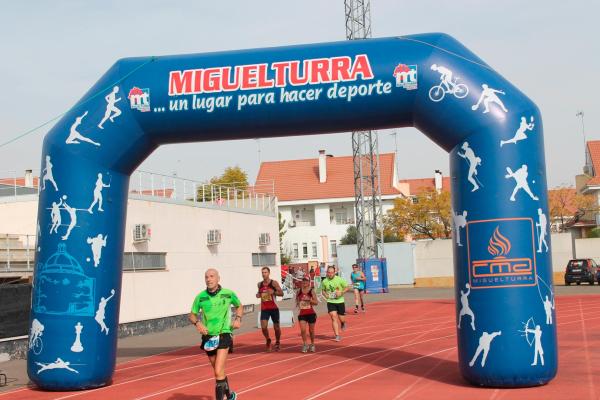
(314, 249)
(295, 249)
(340, 217)
(304, 250)
(263, 259)
(333, 245)
(133, 261)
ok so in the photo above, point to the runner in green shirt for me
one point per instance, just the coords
(333, 288)
(214, 304)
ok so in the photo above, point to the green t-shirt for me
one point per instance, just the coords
(329, 286)
(216, 310)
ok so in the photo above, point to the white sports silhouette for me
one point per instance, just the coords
(520, 134)
(539, 351)
(36, 330)
(460, 221)
(100, 314)
(47, 175)
(98, 194)
(520, 177)
(484, 346)
(72, 213)
(488, 95)
(55, 216)
(543, 225)
(465, 309)
(97, 243)
(75, 136)
(58, 364)
(548, 307)
(473, 161)
(112, 111)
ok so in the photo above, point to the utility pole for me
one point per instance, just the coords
(580, 114)
(365, 153)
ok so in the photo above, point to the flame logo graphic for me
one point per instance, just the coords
(498, 245)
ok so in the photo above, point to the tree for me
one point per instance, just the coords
(428, 215)
(233, 178)
(351, 236)
(284, 258)
(568, 207)
(560, 203)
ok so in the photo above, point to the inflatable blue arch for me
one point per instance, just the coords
(505, 321)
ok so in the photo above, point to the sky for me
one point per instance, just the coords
(53, 52)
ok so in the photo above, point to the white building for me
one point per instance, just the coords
(164, 268)
(589, 184)
(316, 200)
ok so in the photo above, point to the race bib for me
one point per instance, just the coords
(305, 305)
(333, 295)
(266, 296)
(356, 285)
(212, 343)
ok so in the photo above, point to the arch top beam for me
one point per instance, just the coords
(492, 131)
(281, 91)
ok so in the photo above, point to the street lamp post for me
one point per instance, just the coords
(581, 114)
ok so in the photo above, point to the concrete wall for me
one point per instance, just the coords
(180, 231)
(588, 248)
(400, 261)
(434, 261)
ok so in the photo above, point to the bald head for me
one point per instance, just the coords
(211, 277)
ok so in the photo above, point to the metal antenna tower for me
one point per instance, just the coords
(365, 153)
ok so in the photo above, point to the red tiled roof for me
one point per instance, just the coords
(299, 179)
(594, 150)
(418, 186)
(18, 181)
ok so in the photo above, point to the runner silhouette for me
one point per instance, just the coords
(112, 111)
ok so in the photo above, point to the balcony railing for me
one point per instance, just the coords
(260, 197)
(17, 252)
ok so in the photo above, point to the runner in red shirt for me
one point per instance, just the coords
(267, 290)
(305, 300)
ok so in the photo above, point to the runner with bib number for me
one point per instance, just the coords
(216, 327)
(358, 283)
(333, 288)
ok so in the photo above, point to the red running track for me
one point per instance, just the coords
(397, 350)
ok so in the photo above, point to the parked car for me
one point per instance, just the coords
(581, 270)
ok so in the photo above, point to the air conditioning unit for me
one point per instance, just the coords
(264, 239)
(213, 237)
(141, 232)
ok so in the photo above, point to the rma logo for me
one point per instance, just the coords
(496, 262)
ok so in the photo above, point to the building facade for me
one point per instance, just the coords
(316, 200)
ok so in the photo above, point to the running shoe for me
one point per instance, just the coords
(277, 346)
(232, 396)
(312, 348)
(363, 310)
(268, 345)
(304, 348)
(338, 338)
(356, 310)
